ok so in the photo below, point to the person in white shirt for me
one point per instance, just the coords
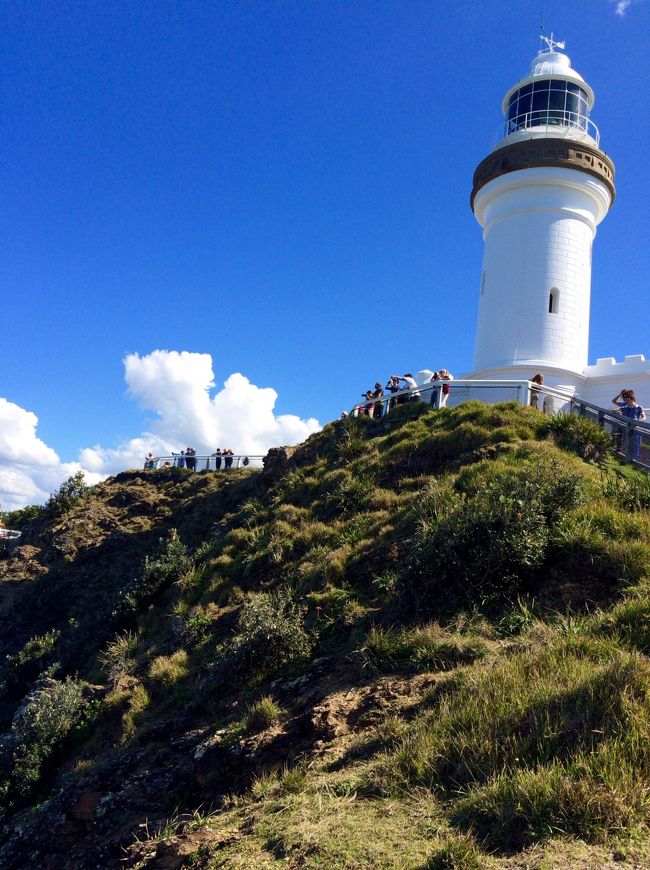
(410, 384)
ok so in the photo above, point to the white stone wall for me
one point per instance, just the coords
(539, 225)
(605, 379)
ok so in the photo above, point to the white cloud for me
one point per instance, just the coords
(29, 469)
(177, 388)
(621, 6)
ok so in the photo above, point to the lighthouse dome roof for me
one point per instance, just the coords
(552, 64)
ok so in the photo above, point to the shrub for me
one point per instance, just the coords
(488, 543)
(169, 565)
(20, 519)
(482, 550)
(70, 493)
(270, 635)
(35, 655)
(46, 717)
(579, 435)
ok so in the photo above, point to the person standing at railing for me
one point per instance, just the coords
(378, 395)
(149, 462)
(217, 458)
(368, 407)
(393, 387)
(435, 394)
(228, 456)
(410, 384)
(629, 408)
(534, 391)
(445, 375)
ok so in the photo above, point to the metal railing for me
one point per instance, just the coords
(631, 438)
(549, 120)
(461, 390)
(205, 462)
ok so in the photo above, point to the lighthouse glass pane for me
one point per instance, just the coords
(554, 102)
(525, 101)
(572, 102)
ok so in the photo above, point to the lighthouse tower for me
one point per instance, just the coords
(539, 196)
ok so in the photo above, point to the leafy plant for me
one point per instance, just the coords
(46, 717)
(170, 564)
(578, 434)
(270, 635)
(70, 493)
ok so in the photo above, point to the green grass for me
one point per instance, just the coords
(427, 648)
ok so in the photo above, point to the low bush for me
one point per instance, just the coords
(45, 718)
(34, 657)
(70, 493)
(160, 571)
(481, 547)
(481, 551)
(577, 434)
(270, 636)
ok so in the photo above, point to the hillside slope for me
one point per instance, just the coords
(417, 642)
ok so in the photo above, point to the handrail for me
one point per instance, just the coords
(570, 120)
(631, 437)
(432, 392)
(227, 463)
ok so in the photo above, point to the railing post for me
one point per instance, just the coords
(629, 442)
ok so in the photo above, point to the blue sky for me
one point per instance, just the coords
(282, 186)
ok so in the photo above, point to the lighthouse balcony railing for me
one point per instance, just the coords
(549, 120)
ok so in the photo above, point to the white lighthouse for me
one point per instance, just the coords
(539, 196)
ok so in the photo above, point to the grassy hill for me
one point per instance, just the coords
(417, 642)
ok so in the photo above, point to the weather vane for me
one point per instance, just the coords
(552, 44)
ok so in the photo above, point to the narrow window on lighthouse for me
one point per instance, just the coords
(483, 284)
(553, 300)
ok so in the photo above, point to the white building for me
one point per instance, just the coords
(539, 196)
